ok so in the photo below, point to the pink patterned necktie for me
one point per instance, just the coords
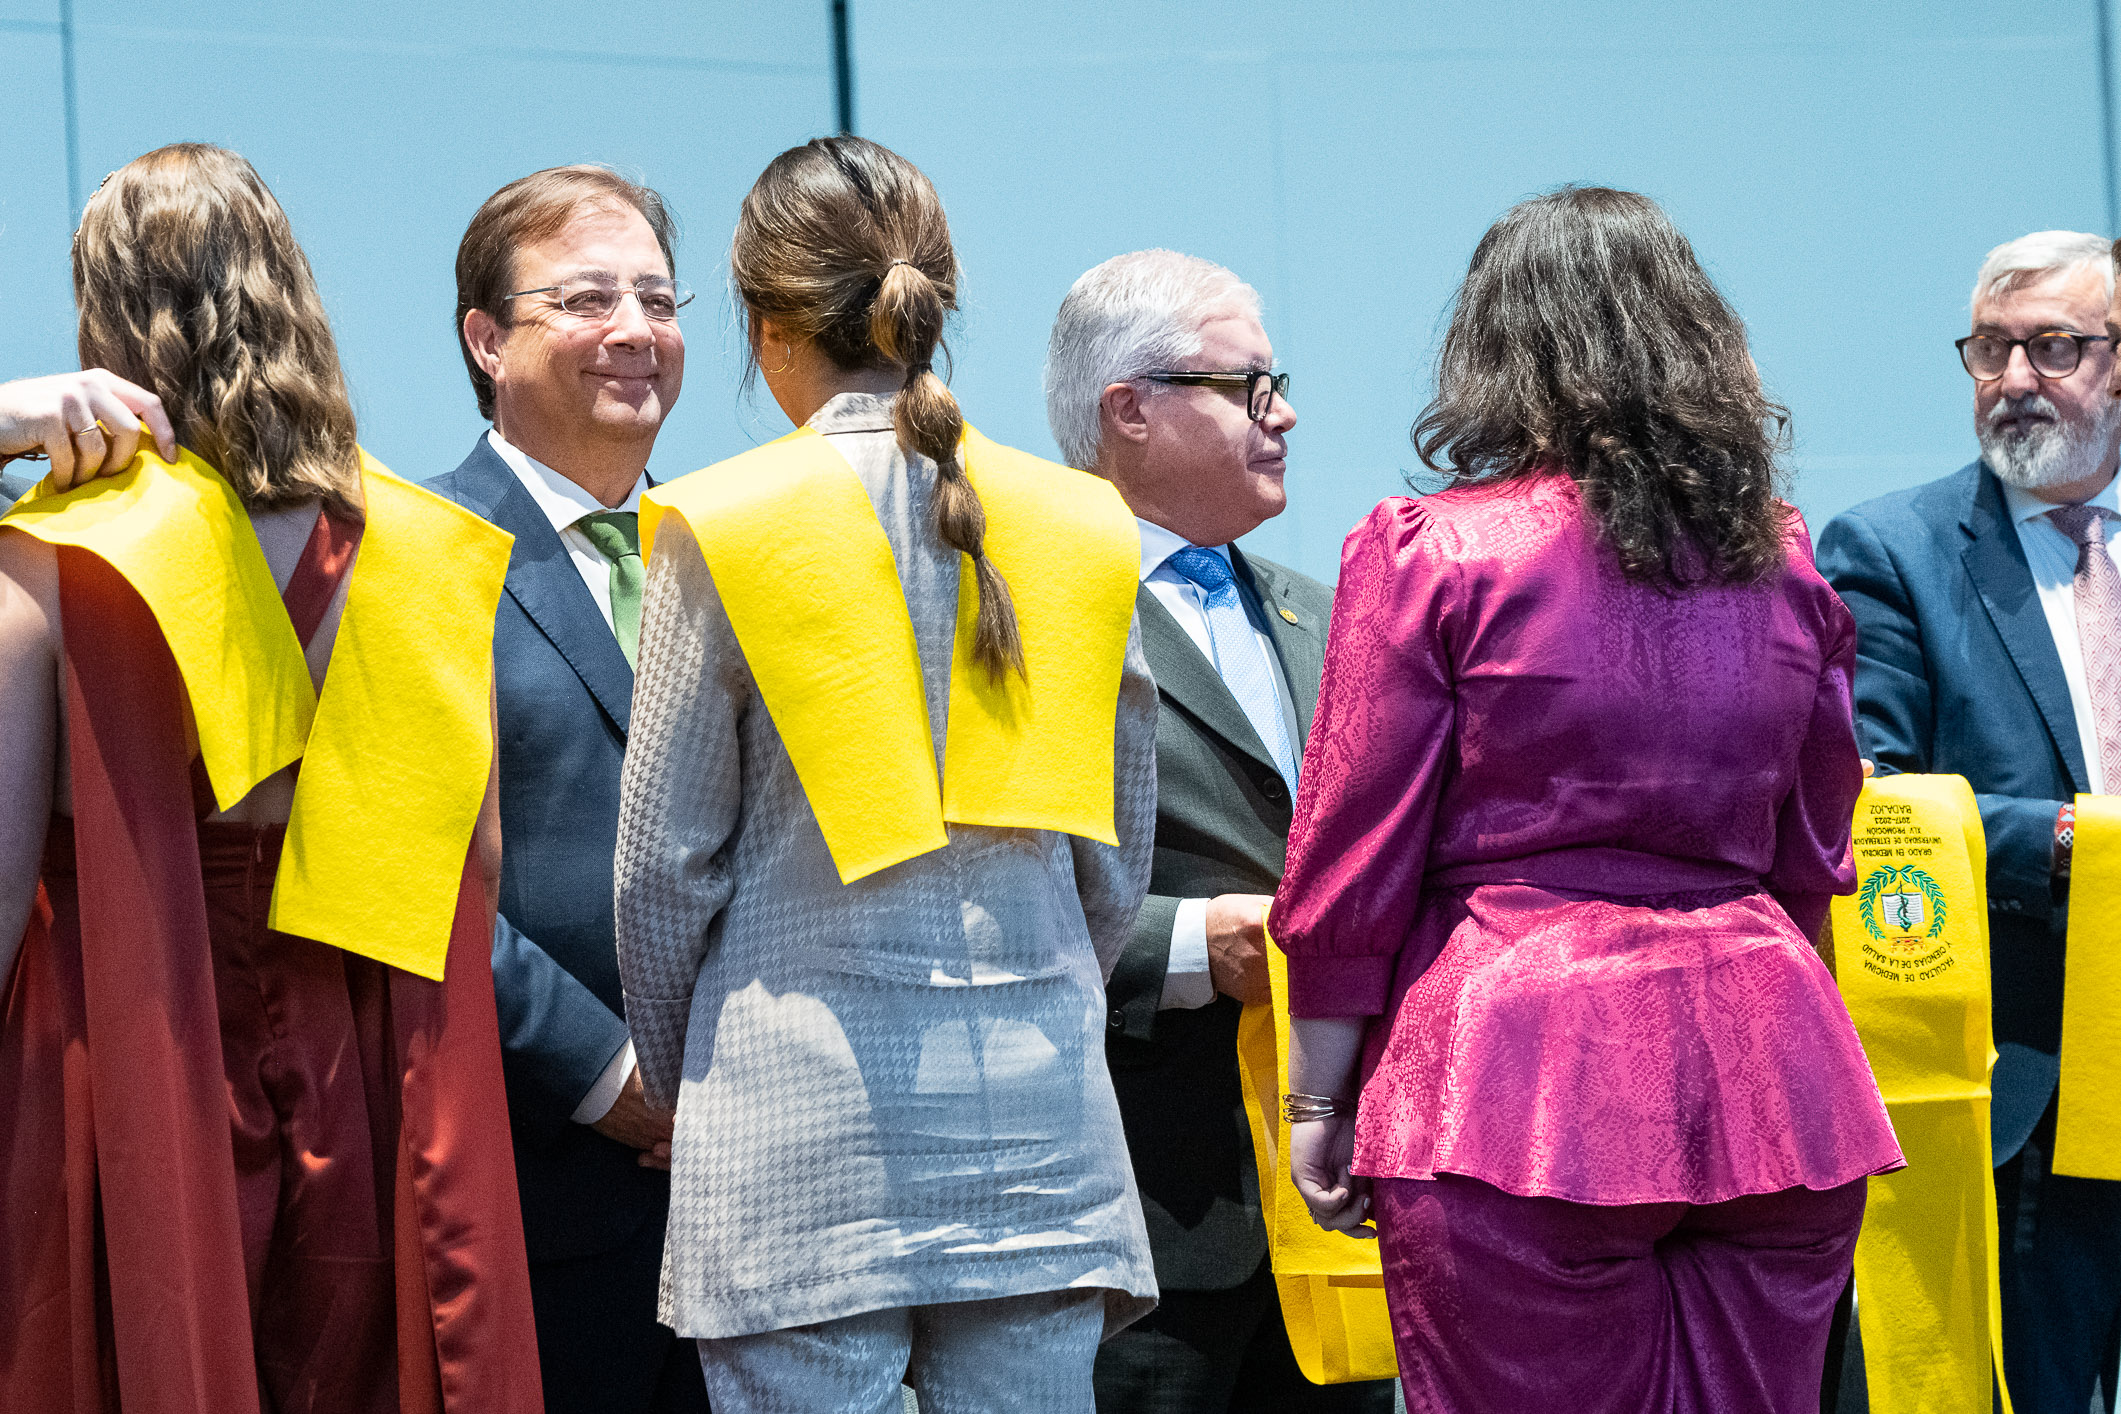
(2098, 594)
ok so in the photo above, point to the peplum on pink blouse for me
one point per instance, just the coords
(1568, 835)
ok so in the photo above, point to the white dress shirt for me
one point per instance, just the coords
(564, 504)
(1187, 981)
(2052, 557)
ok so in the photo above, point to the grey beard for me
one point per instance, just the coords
(2047, 454)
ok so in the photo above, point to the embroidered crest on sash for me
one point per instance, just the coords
(1903, 910)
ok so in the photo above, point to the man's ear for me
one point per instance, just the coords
(483, 335)
(1120, 409)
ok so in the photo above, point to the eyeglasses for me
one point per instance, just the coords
(1261, 388)
(2053, 354)
(596, 298)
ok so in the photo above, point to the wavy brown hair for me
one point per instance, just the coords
(190, 283)
(843, 243)
(1587, 338)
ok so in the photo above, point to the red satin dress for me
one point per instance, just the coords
(241, 1172)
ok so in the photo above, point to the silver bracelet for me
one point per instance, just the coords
(1298, 1108)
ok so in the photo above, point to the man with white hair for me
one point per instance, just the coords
(1159, 377)
(1988, 613)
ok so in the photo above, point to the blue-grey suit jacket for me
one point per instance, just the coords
(1956, 672)
(564, 690)
(13, 487)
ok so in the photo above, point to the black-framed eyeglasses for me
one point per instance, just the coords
(1261, 387)
(2053, 353)
(596, 298)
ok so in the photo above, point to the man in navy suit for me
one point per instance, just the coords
(566, 311)
(1988, 612)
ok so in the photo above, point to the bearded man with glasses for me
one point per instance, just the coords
(567, 315)
(1160, 378)
(1988, 613)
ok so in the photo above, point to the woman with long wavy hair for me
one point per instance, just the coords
(1578, 791)
(254, 1147)
(885, 824)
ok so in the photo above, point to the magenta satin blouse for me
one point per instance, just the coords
(1554, 828)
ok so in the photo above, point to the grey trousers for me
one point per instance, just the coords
(1025, 1354)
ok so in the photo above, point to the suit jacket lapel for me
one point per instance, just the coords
(542, 579)
(1301, 642)
(1995, 562)
(1186, 677)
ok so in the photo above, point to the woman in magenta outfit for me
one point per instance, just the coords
(1578, 792)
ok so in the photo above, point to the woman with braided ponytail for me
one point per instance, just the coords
(885, 825)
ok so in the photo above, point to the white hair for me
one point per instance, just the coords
(1132, 314)
(2031, 259)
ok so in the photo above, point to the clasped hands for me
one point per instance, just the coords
(634, 1122)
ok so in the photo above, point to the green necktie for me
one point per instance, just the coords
(617, 536)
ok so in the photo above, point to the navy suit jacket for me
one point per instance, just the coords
(564, 688)
(1956, 672)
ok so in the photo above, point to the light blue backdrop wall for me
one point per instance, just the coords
(1841, 170)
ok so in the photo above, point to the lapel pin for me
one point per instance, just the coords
(1288, 615)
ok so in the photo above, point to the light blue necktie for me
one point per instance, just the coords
(1239, 656)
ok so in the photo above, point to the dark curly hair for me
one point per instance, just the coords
(1587, 339)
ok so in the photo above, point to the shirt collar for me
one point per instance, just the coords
(562, 501)
(1159, 545)
(2024, 505)
(854, 412)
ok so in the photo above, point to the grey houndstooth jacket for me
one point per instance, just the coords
(891, 1092)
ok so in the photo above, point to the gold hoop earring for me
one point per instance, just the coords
(787, 361)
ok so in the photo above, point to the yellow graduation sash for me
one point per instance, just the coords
(2088, 1109)
(395, 756)
(183, 541)
(807, 578)
(1911, 957)
(1332, 1286)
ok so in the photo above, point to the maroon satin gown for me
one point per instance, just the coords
(239, 1170)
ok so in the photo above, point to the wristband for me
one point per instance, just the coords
(1301, 1109)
